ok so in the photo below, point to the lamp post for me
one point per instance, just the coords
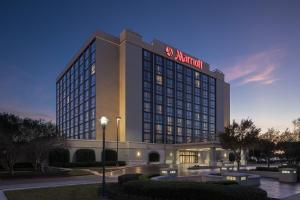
(118, 122)
(103, 121)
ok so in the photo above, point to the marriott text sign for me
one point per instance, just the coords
(180, 56)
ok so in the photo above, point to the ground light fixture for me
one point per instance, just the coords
(103, 122)
(118, 118)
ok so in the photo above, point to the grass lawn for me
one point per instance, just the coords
(33, 174)
(77, 192)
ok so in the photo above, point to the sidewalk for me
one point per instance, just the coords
(294, 197)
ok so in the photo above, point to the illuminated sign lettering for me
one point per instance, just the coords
(181, 57)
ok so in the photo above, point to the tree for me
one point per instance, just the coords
(12, 140)
(238, 137)
(288, 144)
(41, 137)
(296, 124)
(267, 143)
(19, 136)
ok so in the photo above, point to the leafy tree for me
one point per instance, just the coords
(238, 137)
(12, 140)
(19, 136)
(267, 143)
(231, 157)
(42, 137)
(296, 124)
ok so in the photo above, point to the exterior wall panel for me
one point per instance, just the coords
(107, 86)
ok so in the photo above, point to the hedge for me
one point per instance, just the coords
(110, 155)
(154, 157)
(87, 164)
(269, 169)
(58, 155)
(85, 155)
(128, 177)
(191, 191)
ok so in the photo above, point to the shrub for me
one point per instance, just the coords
(269, 169)
(87, 164)
(85, 155)
(223, 182)
(293, 166)
(154, 157)
(192, 191)
(128, 177)
(148, 176)
(110, 155)
(58, 155)
(231, 157)
(23, 166)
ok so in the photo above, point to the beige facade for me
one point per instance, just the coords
(119, 92)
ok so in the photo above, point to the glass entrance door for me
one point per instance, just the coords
(188, 157)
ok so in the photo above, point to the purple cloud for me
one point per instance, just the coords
(256, 68)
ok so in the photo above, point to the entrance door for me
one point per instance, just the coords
(188, 157)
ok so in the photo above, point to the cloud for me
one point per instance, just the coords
(256, 68)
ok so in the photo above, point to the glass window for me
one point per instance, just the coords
(170, 102)
(93, 46)
(158, 118)
(147, 55)
(169, 92)
(147, 117)
(159, 99)
(147, 107)
(170, 111)
(159, 79)
(170, 120)
(169, 83)
(179, 131)
(147, 96)
(147, 76)
(158, 60)
(93, 69)
(159, 109)
(159, 70)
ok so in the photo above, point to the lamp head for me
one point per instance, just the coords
(103, 121)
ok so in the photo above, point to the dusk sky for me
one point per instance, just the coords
(255, 43)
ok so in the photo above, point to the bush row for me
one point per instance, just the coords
(191, 191)
(60, 155)
(21, 166)
(269, 169)
(87, 164)
(128, 177)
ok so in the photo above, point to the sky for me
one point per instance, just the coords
(255, 43)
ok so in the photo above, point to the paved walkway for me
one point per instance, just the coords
(294, 197)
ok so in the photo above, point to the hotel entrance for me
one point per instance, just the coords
(187, 157)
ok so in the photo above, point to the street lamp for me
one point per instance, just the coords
(103, 122)
(118, 123)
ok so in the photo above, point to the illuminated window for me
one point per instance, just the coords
(93, 69)
(179, 131)
(159, 109)
(159, 79)
(169, 130)
(197, 83)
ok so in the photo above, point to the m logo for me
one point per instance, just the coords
(169, 51)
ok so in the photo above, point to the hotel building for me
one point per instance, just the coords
(169, 102)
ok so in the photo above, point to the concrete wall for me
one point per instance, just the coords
(132, 153)
(223, 105)
(107, 90)
(131, 87)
